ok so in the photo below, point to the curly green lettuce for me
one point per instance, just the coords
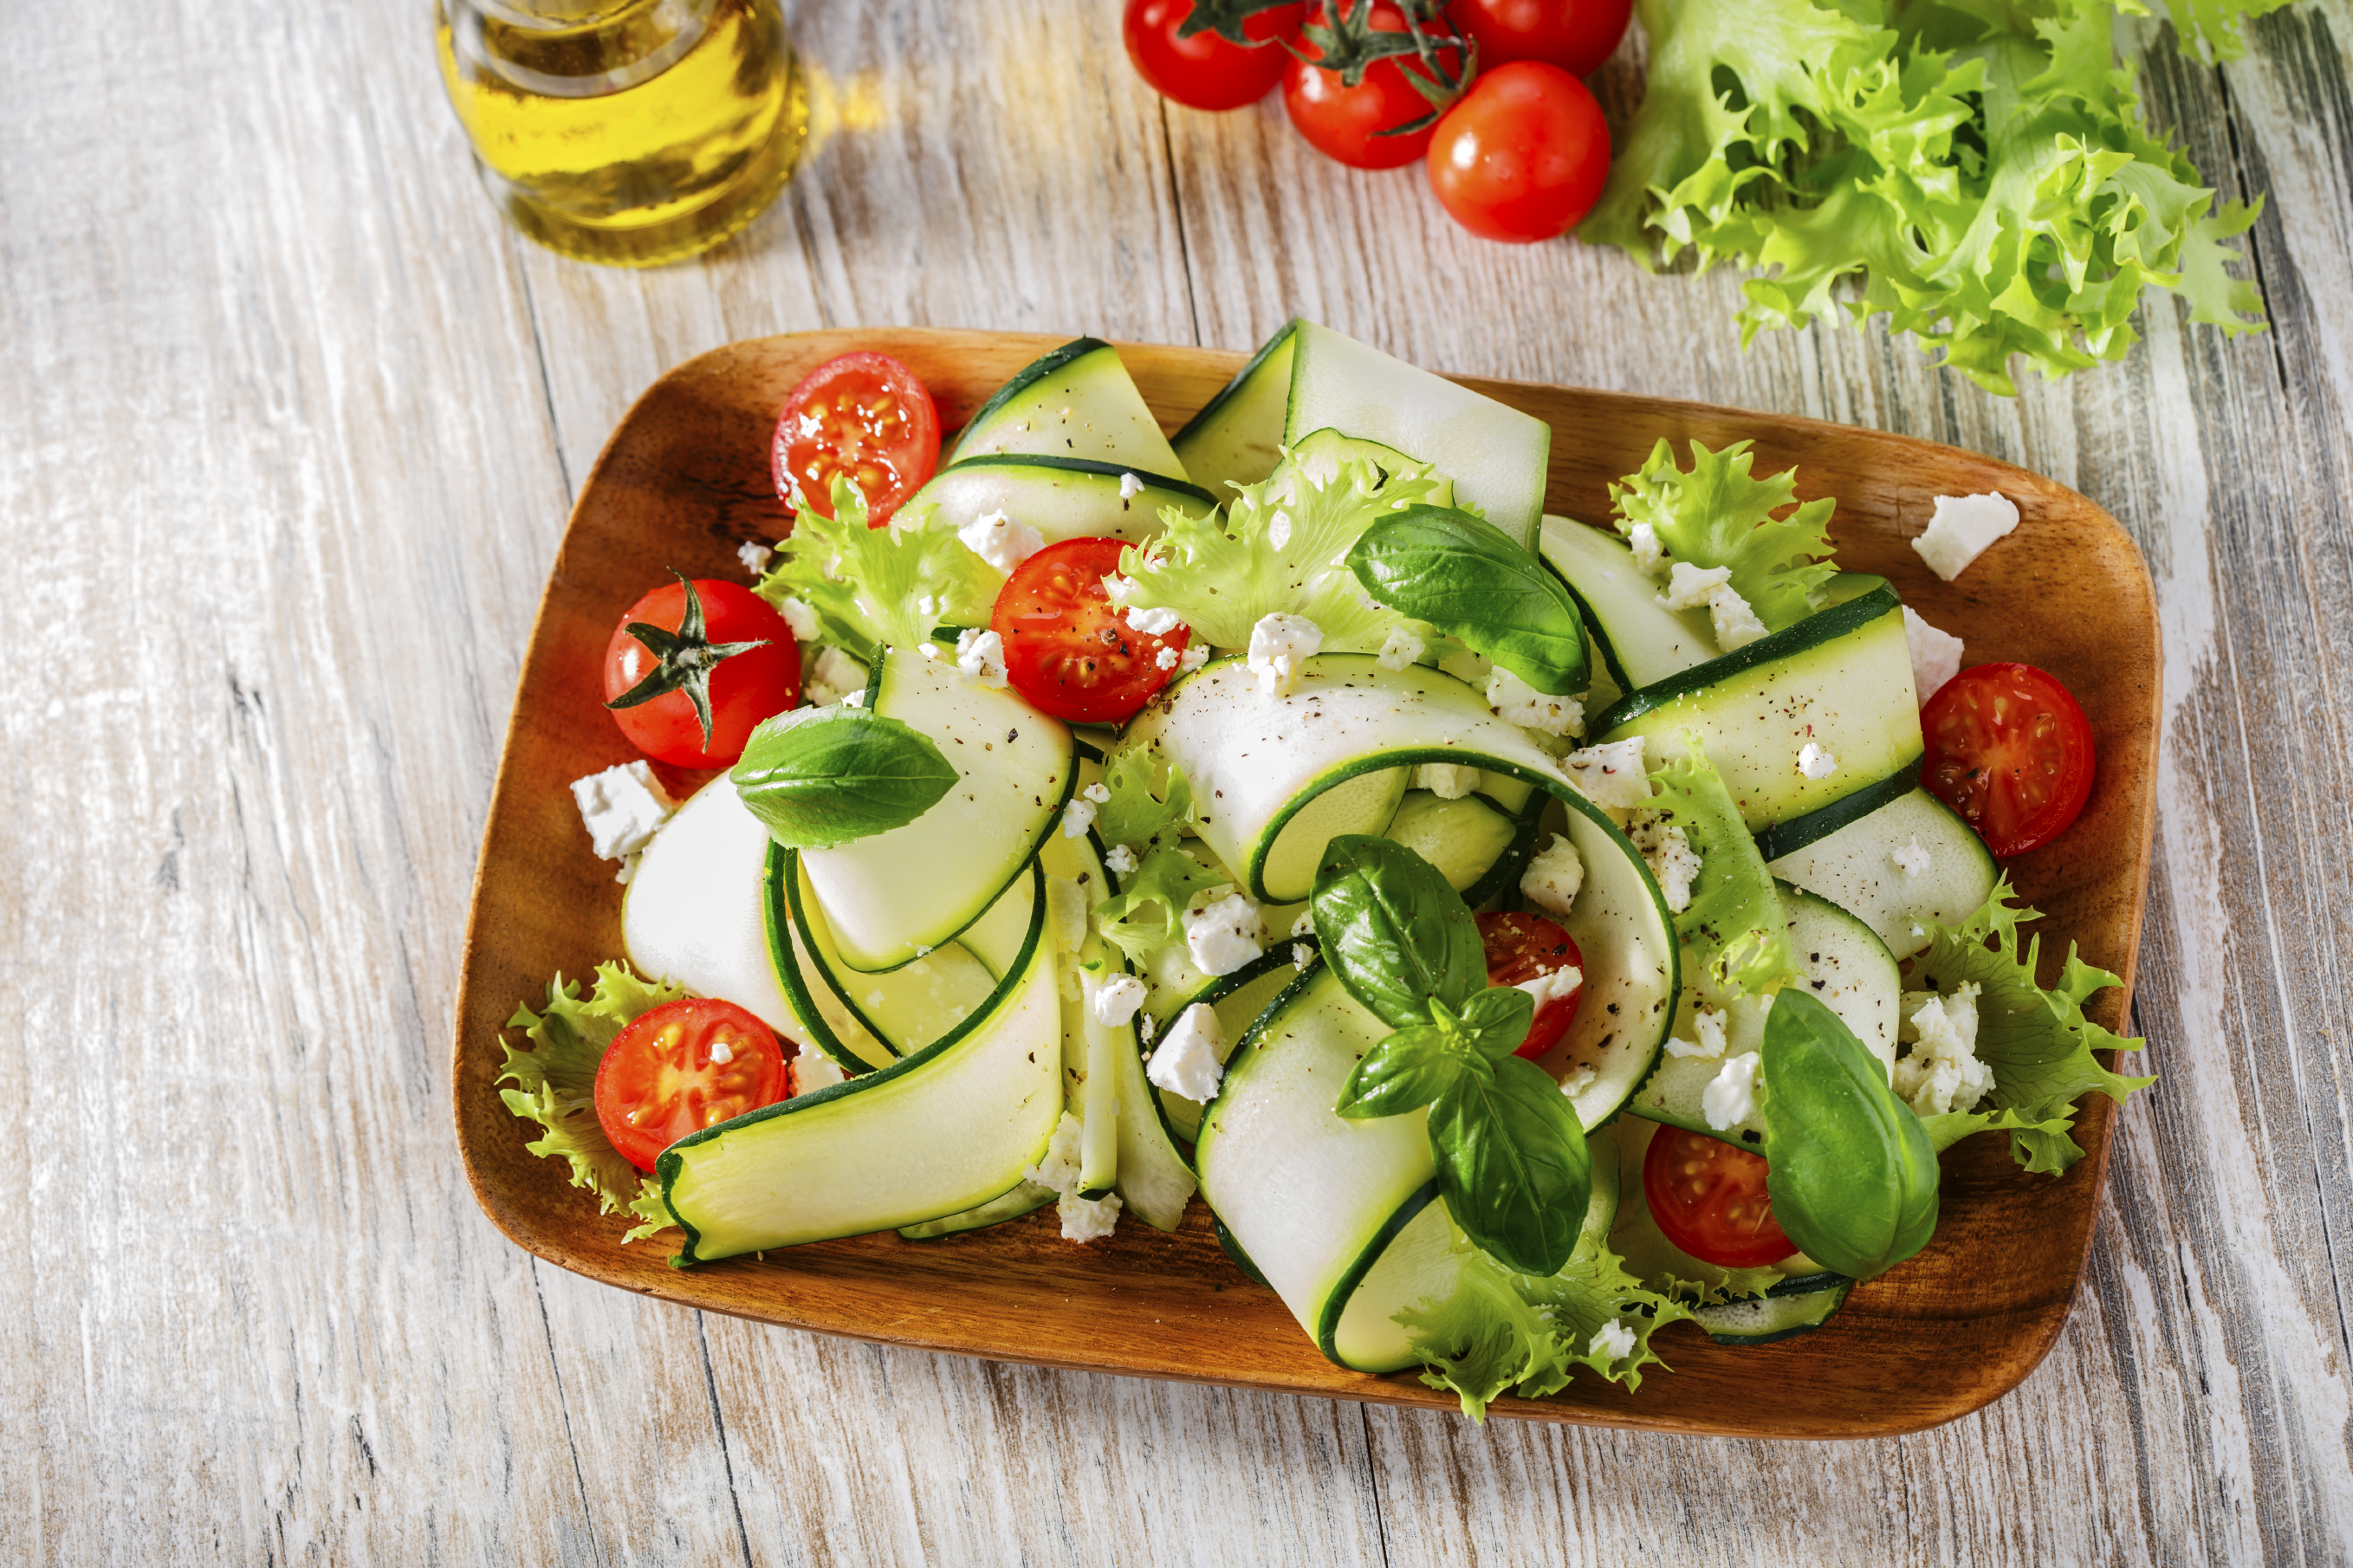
(1148, 913)
(556, 1076)
(1277, 547)
(1144, 811)
(2038, 1042)
(1715, 513)
(873, 587)
(1734, 933)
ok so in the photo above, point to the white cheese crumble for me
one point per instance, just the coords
(812, 1070)
(1403, 649)
(1152, 620)
(756, 559)
(1305, 924)
(1707, 1023)
(1447, 780)
(1515, 701)
(1087, 1219)
(1186, 1062)
(1097, 792)
(1610, 776)
(1668, 851)
(1911, 859)
(800, 617)
(1118, 1000)
(1559, 986)
(1942, 1071)
(1688, 586)
(1001, 542)
(980, 654)
(1279, 645)
(1735, 623)
(1120, 860)
(622, 808)
(1553, 875)
(1613, 1340)
(833, 678)
(1961, 528)
(1302, 955)
(1058, 1170)
(1579, 1081)
(1936, 655)
(1195, 658)
(856, 699)
(1130, 486)
(1730, 1096)
(721, 1052)
(1649, 553)
(1166, 659)
(1078, 816)
(1815, 762)
(1224, 935)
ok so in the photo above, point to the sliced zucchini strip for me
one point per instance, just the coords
(1061, 497)
(1642, 642)
(1238, 999)
(1855, 868)
(1076, 401)
(908, 1008)
(1026, 1198)
(696, 910)
(1237, 437)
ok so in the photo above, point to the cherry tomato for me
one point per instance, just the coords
(1066, 649)
(864, 417)
(1524, 156)
(1520, 947)
(1344, 122)
(1574, 35)
(1709, 1199)
(680, 1068)
(723, 640)
(2012, 752)
(1206, 71)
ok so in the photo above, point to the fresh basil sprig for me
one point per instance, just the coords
(1854, 1175)
(1512, 1160)
(1462, 575)
(823, 776)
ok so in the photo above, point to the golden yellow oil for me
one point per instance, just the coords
(626, 131)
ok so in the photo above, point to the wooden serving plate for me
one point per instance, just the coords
(685, 479)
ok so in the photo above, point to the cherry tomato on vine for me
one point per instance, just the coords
(1524, 156)
(680, 1068)
(1574, 35)
(864, 417)
(1522, 947)
(2010, 750)
(1709, 1199)
(1067, 650)
(694, 666)
(1207, 71)
(1345, 122)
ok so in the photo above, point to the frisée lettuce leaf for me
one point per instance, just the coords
(1734, 933)
(1715, 513)
(1147, 914)
(873, 587)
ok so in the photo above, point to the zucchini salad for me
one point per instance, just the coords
(1522, 934)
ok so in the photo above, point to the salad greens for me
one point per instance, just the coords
(1979, 170)
(1148, 913)
(1134, 814)
(822, 776)
(875, 587)
(1715, 514)
(1461, 574)
(1734, 933)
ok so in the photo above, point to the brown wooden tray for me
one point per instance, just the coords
(684, 480)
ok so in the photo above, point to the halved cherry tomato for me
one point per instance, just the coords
(1346, 123)
(1206, 71)
(1520, 947)
(1066, 649)
(2010, 750)
(728, 642)
(864, 417)
(1709, 1199)
(680, 1068)
(1524, 156)
(1574, 35)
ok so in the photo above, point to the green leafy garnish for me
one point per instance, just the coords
(1147, 914)
(1145, 810)
(1854, 1175)
(1734, 934)
(1394, 931)
(1461, 574)
(875, 587)
(557, 1074)
(823, 776)
(1277, 547)
(1715, 514)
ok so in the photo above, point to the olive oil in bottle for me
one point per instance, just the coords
(626, 131)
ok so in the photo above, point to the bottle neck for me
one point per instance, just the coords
(574, 49)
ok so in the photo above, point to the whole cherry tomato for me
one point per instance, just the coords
(2011, 750)
(1207, 70)
(1524, 156)
(694, 666)
(1574, 35)
(1347, 123)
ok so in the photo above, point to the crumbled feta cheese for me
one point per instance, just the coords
(1058, 1170)
(1224, 935)
(1279, 645)
(1558, 985)
(1688, 586)
(1613, 1340)
(931, 650)
(1097, 792)
(1815, 762)
(1707, 1023)
(1066, 901)
(1936, 655)
(812, 1070)
(1186, 1062)
(1120, 860)
(1942, 1071)
(1145, 1027)
(980, 654)
(1649, 553)
(1130, 486)
(1087, 1219)
(1447, 780)
(1730, 1096)
(1166, 658)
(1516, 703)
(1553, 875)
(1302, 955)
(1078, 816)
(1001, 542)
(1195, 658)
(1736, 624)
(721, 1052)
(1668, 851)
(1117, 1000)
(1579, 1081)
(834, 677)
(1403, 649)
(1961, 528)
(621, 808)
(801, 618)
(1152, 620)
(855, 699)
(1610, 776)
(756, 559)
(1911, 859)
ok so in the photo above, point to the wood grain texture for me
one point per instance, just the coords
(288, 433)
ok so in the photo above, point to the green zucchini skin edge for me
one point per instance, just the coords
(776, 919)
(1028, 376)
(666, 1168)
(1806, 1285)
(1143, 1051)
(1219, 987)
(1788, 837)
(1599, 637)
(1085, 466)
(1215, 405)
(1822, 626)
(1502, 878)
(1335, 1305)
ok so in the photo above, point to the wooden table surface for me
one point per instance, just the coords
(288, 428)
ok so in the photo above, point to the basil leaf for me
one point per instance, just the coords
(1404, 1072)
(1513, 1165)
(1496, 1022)
(1462, 576)
(1853, 1174)
(823, 776)
(1393, 930)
